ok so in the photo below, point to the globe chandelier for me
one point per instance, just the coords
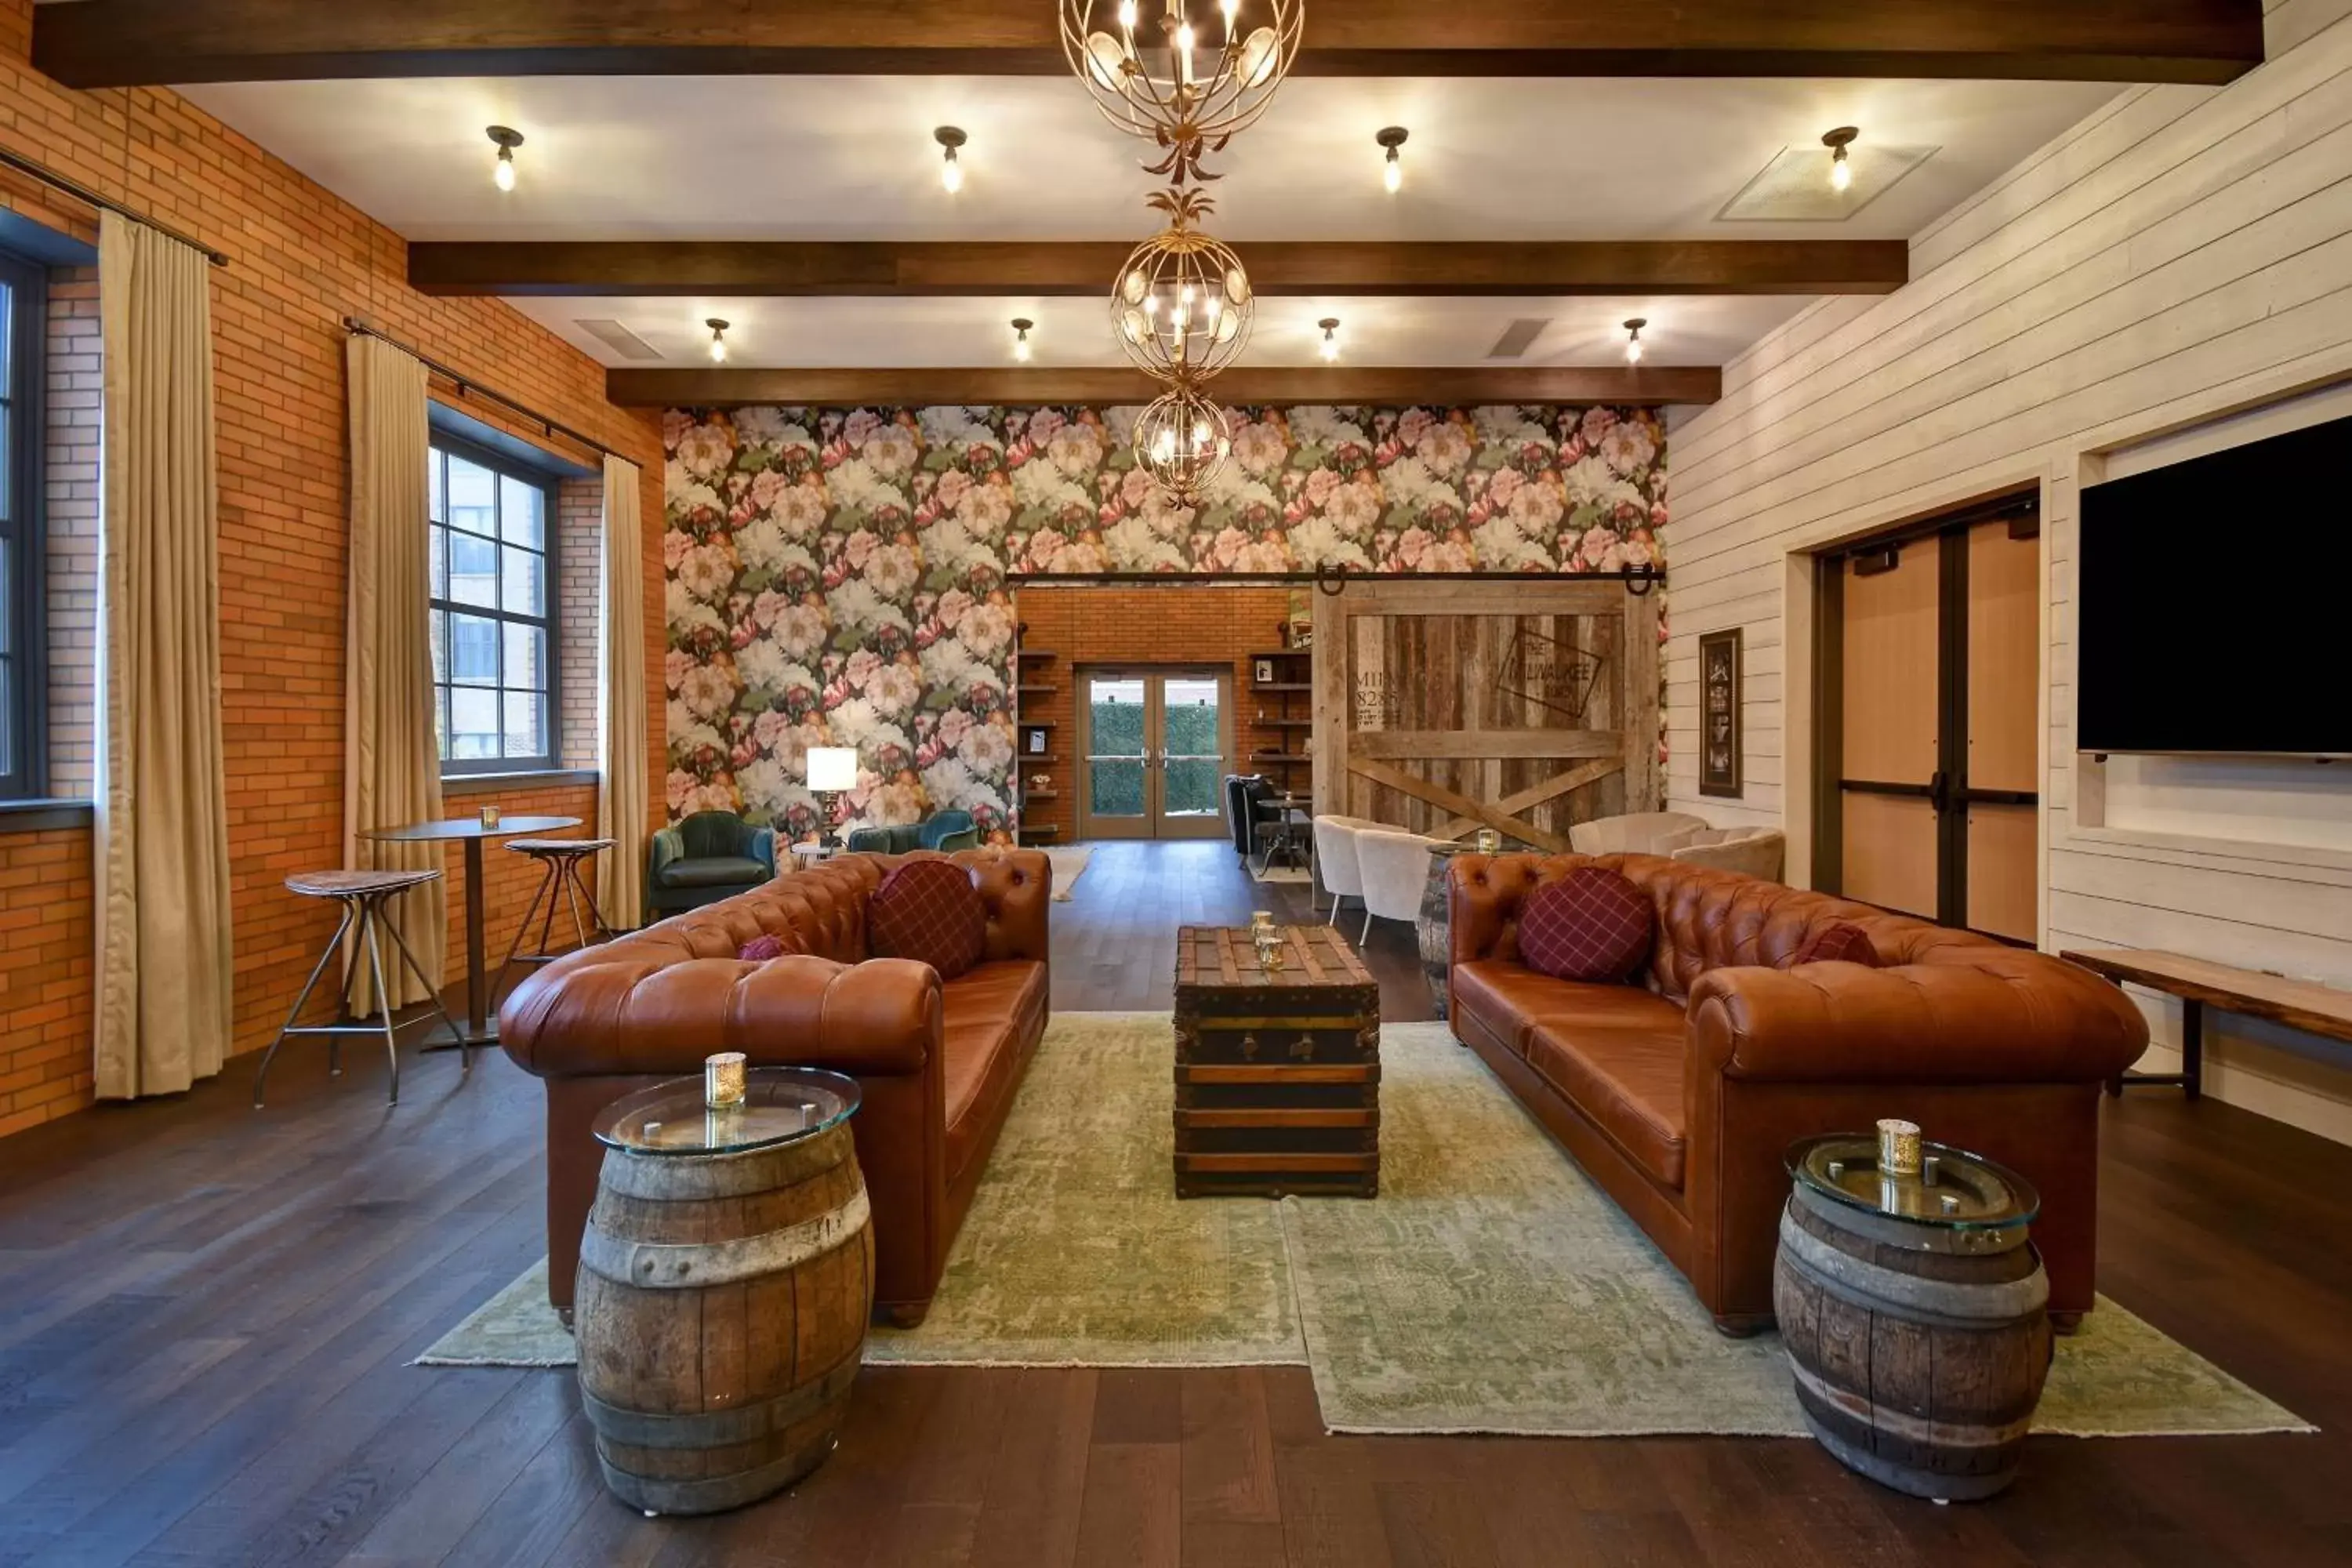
(1181, 439)
(1182, 304)
(1187, 78)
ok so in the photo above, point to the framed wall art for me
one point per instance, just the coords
(1718, 713)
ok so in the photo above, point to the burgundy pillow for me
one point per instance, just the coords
(761, 949)
(1591, 924)
(929, 910)
(1840, 942)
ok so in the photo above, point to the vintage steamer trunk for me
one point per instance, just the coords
(1277, 1071)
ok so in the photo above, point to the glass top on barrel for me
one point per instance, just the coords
(1952, 1188)
(779, 1105)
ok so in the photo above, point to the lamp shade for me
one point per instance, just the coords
(832, 767)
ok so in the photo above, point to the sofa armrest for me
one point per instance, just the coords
(1016, 886)
(668, 845)
(642, 1009)
(1999, 1017)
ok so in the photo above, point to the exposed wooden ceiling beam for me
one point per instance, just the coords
(700, 269)
(131, 43)
(1243, 386)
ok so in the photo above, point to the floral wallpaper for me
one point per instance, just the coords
(838, 576)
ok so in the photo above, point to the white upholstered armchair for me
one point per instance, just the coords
(1640, 832)
(1335, 857)
(1395, 869)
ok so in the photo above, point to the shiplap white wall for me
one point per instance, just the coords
(2180, 255)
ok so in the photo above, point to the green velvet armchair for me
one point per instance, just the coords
(945, 831)
(711, 855)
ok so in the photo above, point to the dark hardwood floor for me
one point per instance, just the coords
(206, 1315)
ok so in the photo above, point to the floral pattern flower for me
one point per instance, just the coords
(838, 576)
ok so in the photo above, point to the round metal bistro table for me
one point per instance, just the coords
(480, 1030)
(725, 1282)
(1914, 1311)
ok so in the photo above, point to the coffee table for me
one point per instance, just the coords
(1278, 1070)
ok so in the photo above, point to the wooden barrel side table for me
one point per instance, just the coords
(1915, 1312)
(1435, 928)
(725, 1282)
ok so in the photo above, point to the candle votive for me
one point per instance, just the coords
(1898, 1147)
(1489, 841)
(723, 1081)
(489, 817)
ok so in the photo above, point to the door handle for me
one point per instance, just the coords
(1939, 790)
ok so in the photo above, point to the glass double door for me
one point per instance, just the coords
(1154, 744)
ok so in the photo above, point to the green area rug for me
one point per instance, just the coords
(1490, 1287)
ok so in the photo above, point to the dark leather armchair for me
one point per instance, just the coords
(945, 831)
(1242, 792)
(710, 855)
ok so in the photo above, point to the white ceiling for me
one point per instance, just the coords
(853, 158)
(866, 333)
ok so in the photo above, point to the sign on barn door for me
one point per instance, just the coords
(1520, 706)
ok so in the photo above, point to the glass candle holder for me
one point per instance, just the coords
(1898, 1147)
(1489, 841)
(489, 817)
(723, 1081)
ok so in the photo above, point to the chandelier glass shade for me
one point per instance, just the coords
(1185, 75)
(1181, 438)
(1181, 305)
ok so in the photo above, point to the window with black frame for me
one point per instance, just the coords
(23, 665)
(493, 611)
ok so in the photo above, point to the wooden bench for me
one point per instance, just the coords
(2298, 1004)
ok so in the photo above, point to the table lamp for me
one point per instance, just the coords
(831, 770)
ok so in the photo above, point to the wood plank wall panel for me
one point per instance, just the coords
(2177, 255)
(301, 260)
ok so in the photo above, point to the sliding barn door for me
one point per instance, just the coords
(1447, 707)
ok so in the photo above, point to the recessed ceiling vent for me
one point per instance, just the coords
(1519, 337)
(1795, 186)
(618, 337)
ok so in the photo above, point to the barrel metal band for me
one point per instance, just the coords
(1861, 1283)
(686, 1265)
(719, 1428)
(1910, 1428)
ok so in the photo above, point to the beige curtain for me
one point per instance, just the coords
(392, 756)
(621, 800)
(164, 975)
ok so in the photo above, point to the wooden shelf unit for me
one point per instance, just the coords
(1293, 669)
(1029, 663)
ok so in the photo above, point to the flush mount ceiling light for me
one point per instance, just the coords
(1841, 166)
(506, 140)
(1021, 325)
(951, 170)
(1392, 166)
(1330, 346)
(1180, 439)
(1181, 305)
(1634, 339)
(1181, 85)
(717, 325)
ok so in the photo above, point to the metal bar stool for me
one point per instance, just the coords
(361, 895)
(562, 856)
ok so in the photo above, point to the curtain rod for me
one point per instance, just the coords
(467, 384)
(80, 192)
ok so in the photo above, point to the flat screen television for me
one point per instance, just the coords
(2215, 600)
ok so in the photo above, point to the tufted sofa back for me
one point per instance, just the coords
(1706, 919)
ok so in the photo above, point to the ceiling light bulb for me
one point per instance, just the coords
(1127, 14)
(1391, 165)
(1021, 325)
(502, 173)
(718, 326)
(951, 170)
(1841, 169)
(1330, 345)
(1232, 10)
(1634, 339)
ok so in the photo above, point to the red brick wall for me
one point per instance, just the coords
(300, 260)
(71, 416)
(1184, 623)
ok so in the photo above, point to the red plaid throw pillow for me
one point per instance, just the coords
(761, 949)
(1840, 942)
(1591, 924)
(929, 912)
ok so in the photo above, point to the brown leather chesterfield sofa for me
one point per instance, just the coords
(936, 1065)
(1681, 1095)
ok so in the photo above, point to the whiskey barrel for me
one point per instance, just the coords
(720, 1317)
(1918, 1352)
(1435, 928)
